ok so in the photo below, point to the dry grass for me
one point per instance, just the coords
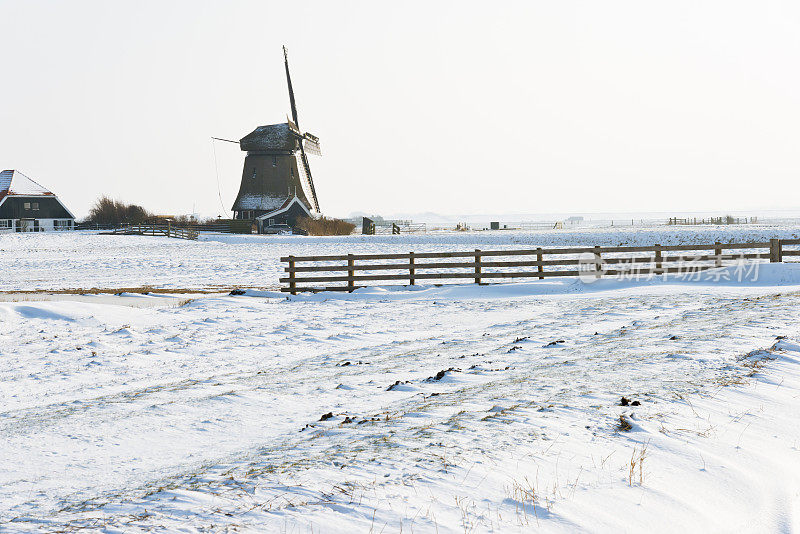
(325, 226)
(637, 464)
(524, 496)
(468, 519)
(114, 290)
(624, 425)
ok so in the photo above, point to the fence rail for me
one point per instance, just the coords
(225, 226)
(712, 220)
(156, 229)
(590, 261)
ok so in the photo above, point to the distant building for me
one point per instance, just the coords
(26, 206)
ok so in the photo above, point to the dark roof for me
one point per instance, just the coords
(44, 207)
(270, 137)
(15, 186)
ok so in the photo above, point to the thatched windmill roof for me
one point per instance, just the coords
(273, 137)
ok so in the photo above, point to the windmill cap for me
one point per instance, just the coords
(269, 137)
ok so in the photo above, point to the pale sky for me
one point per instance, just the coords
(448, 107)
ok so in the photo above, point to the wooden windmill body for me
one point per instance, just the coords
(277, 187)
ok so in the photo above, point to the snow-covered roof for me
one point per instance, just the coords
(285, 207)
(271, 137)
(15, 183)
(258, 201)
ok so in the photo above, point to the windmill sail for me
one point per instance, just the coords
(306, 141)
(310, 181)
(306, 181)
(289, 81)
(311, 144)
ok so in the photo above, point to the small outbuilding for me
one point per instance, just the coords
(26, 206)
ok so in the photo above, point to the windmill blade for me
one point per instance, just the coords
(289, 82)
(311, 144)
(295, 126)
(310, 180)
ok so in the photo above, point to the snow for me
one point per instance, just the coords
(452, 409)
(15, 183)
(765, 274)
(251, 201)
(84, 260)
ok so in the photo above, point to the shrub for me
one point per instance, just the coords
(186, 220)
(109, 211)
(325, 226)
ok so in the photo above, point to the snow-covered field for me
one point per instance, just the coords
(452, 409)
(83, 260)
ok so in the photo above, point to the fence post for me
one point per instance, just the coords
(292, 283)
(411, 269)
(597, 262)
(539, 257)
(659, 259)
(351, 286)
(775, 251)
(477, 266)
(718, 253)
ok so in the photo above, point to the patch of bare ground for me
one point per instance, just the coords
(143, 290)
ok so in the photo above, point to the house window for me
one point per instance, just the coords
(274, 161)
(5, 223)
(27, 205)
(35, 206)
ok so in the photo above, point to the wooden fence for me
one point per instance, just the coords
(712, 220)
(540, 263)
(156, 229)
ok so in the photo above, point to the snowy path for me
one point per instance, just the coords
(183, 416)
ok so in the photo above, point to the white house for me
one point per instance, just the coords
(26, 206)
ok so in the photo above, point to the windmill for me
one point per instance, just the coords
(277, 187)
